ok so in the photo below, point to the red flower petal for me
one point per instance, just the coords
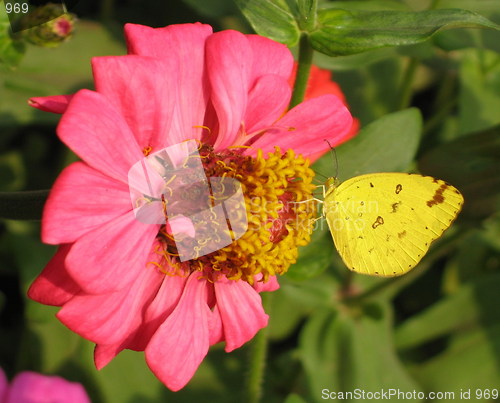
(110, 257)
(143, 94)
(181, 342)
(229, 66)
(110, 318)
(159, 309)
(271, 284)
(54, 104)
(185, 45)
(305, 127)
(97, 133)
(241, 311)
(270, 57)
(54, 286)
(266, 102)
(81, 200)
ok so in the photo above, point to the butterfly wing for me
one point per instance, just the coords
(383, 224)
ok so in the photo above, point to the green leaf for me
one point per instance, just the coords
(372, 90)
(352, 62)
(468, 38)
(472, 305)
(479, 102)
(471, 164)
(274, 19)
(293, 302)
(372, 5)
(343, 32)
(388, 144)
(343, 351)
(474, 257)
(484, 7)
(315, 257)
(310, 294)
(470, 363)
(11, 51)
(307, 14)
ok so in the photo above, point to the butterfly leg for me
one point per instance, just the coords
(323, 189)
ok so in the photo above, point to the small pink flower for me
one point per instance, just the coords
(120, 282)
(30, 387)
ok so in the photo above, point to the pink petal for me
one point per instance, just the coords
(54, 286)
(80, 200)
(30, 387)
(271, 284)
(166, 298)
(97, 133)
(146, 41)
(241, 311)
(215, 326)
(143, 90)
(305, 127)
(181, 342)
(108, 258)
(110, 318)
(54, 104)
(165, 301)
(104, 353)
(267, 101)
(229, 61)
(185, 45)
(270, 57)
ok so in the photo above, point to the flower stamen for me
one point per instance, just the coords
(277, 222)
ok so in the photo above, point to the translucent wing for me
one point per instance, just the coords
(383, 224)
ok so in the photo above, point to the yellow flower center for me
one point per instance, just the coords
(275, 223)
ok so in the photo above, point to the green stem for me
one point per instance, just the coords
(258, 356)
(407, 84)
(303, 70)
(22, 205)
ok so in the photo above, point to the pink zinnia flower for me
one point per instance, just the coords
(30, 387)
(120, 281)
(321, 83)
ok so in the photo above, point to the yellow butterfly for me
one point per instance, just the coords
(383, 223)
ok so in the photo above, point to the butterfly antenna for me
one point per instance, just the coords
(335, 159)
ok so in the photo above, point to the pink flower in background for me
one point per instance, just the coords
(120, 282)
(31, 387)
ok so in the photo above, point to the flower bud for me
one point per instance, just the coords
(47, 26)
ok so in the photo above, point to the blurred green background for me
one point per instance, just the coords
(432, 108)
